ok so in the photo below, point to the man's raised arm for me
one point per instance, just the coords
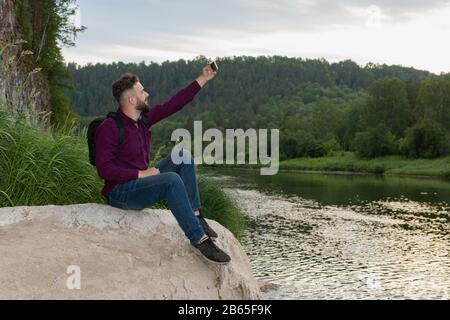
(179, 100)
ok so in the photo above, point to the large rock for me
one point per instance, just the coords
(121, 255)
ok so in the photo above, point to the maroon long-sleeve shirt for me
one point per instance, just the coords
(121, 163)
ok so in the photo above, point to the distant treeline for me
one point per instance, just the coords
(319, 107)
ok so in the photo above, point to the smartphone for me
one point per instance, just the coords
(214, 66)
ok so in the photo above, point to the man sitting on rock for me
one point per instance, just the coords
(131, 184)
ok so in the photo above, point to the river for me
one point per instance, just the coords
(323, 236)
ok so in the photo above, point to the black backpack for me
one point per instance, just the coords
(92, 128)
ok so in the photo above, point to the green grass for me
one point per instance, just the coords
(347, 161)
(41, 167)
(219, 206)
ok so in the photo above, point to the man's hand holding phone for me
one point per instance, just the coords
(208, 73)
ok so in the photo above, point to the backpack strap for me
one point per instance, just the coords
(145, 121)
(120, 126)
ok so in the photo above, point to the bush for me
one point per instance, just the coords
(301, 144)
(426, 139)
(290, 146)
(314, 149)
(375, 142)
(332, 146)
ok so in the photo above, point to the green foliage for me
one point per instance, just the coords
(63, 119)
(319, 107)
(426, 139)
(301, 144)
(219, 206)
(331, 145)
(351, 122)
(243, 86)
(388, 104)
(41, 168)
(46, 26)
(352, 75)
(325, 120)
(375, 142)
(433, 101)
(348, 161)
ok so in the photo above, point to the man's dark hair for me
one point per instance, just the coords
(125, 82)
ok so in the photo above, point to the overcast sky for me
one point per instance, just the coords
(407, 32)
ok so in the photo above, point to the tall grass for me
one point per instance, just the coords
(39, 167)
(219, 206)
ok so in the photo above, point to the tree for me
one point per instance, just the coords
(352, 75)
(375, 142)
(426, 139)
(325, 120)
(351, 122)
(433, 101)
(388, 105)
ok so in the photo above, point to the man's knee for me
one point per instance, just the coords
(172, 178)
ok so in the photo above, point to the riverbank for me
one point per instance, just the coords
(389, 165)
(349, 164)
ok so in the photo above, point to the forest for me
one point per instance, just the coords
(319, 107)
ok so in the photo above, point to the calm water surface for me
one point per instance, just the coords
(320, 236)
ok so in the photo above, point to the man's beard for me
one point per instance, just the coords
(142, 106)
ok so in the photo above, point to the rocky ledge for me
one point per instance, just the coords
(92, 251)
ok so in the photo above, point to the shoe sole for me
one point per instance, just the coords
(205, 258)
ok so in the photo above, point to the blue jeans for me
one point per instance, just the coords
(176, 183)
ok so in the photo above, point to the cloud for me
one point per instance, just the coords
(148, 17)
(154, 30)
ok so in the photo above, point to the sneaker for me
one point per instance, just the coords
(208, 249)
(208, 230)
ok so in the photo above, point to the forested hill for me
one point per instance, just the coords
(241, 87)
(319, 107)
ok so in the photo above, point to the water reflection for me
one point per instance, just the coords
(385, 242)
